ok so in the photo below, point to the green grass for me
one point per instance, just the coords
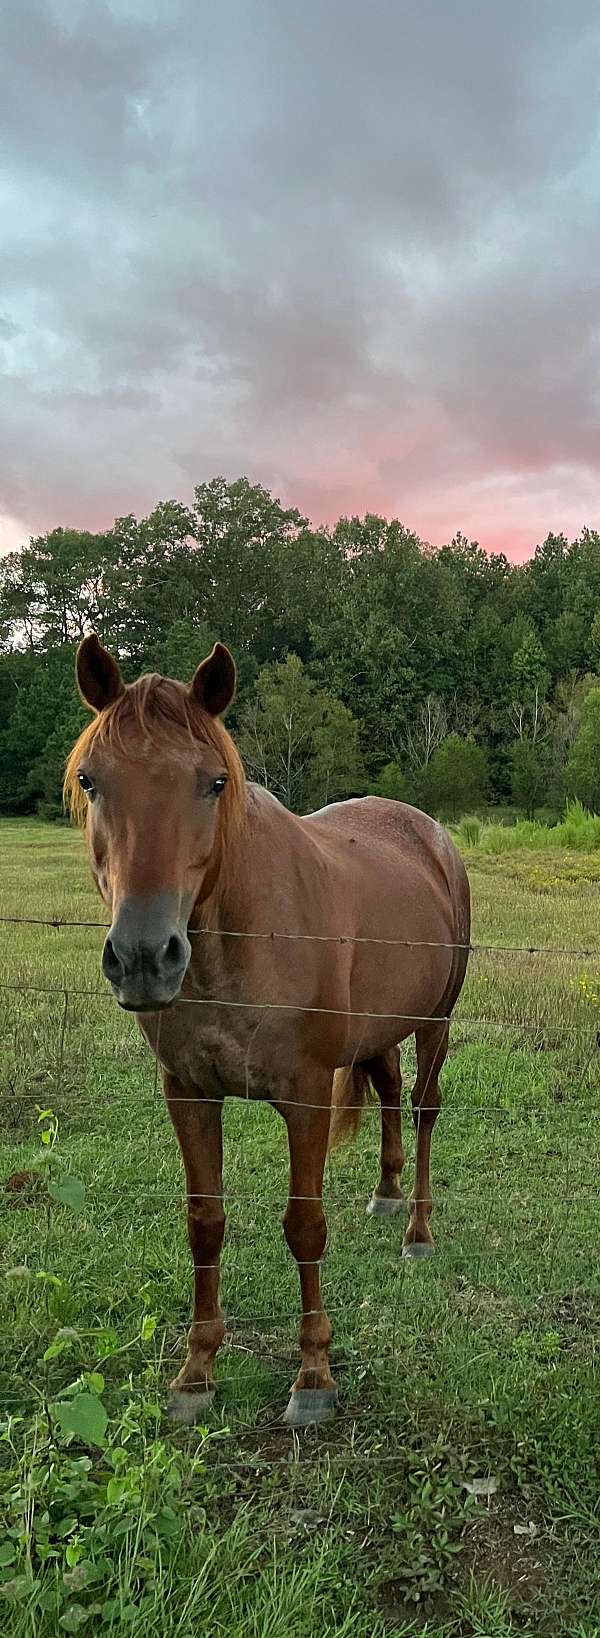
(481, 1363)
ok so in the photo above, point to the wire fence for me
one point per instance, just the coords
(275, 934)
(544, 1188)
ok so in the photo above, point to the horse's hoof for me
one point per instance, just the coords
(308, 1406)
(189, 1407)
(418, 1248)
(382, 1205)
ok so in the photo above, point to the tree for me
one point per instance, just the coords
(299, 741)
(529, 774)
(183, 646)
(391, 783)
(456, 779)
(594, 640)
(244, 541)
(530, 679)
(583, 767)
(425, 731)
(569, 700)
(412, 641)
(47, 772)
(44, 694)
(565, 646)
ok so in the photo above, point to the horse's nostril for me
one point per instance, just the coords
(173, 954)
(112, 967)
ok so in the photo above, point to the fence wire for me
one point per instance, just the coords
(275, 934)
(141, 1199)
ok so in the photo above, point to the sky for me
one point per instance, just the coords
(348, 248)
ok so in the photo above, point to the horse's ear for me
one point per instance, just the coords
(213, 684)
(98, 677)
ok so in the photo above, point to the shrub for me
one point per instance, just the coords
(456, 778)
(391, 783)
(578, 830)
(469, 830)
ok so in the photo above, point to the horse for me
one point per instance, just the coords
(265, 956)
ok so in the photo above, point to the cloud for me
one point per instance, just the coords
(348, 250)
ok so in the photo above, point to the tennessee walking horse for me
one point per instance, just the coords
(185, 854)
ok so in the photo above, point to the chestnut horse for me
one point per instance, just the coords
(368, 902)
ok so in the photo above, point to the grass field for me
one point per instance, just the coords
(476, 1368)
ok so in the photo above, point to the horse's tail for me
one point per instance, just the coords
(350, 1087)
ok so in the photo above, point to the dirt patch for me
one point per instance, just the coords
(577, 1310)
(25, 1188)
(503, 1547)
(483, 1304)
(274, 1442)
(493, 1553)
(399, 1611)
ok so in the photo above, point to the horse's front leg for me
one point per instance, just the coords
(198, 1124)
(314, 1396)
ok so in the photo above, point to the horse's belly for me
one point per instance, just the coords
(393, 991)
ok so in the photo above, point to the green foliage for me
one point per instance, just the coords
(456, 776)
(594, 642)
(430, 1524)
(45, 718)
(180, 651)
(414, 644)
(298, 740)
(583, 767)
(68, 1191)
(529, 672)
(86, 1534)
(528, 774)
(391, 783)
(469, 830)
(84, 1416)
(578, 830)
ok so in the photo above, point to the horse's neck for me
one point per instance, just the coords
(258, 877)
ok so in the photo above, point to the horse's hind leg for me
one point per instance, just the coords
(432, 1046)
(384, 1072)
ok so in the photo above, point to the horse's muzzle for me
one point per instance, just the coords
(146, 954)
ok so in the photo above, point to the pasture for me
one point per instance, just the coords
(457, 1491)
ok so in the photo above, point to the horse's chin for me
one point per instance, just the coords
(147, 1006)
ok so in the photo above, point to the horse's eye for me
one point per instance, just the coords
(86, 784)
(219, 785)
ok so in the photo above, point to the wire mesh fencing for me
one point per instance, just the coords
(97, 1269)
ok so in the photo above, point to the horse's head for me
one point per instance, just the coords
(158, 783)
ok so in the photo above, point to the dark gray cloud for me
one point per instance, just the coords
(348, 249)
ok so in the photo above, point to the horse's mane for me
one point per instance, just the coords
(157, 714)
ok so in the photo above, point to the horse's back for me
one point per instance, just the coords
(379, 816)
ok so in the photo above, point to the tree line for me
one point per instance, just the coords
(367, 660)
